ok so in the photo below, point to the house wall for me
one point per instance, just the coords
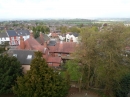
(4, 39)
(53, 64)
(14, 40)
(26, 37)
(26, 68)
(61, 54)
(61, 38)
(75, 39)
(68, 37)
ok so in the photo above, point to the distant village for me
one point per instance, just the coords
(55, 46)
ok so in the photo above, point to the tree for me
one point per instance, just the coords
(40, 81)
(4, 47)
(74, 29)
(87, 54)
(102, 57)
(10, 69)
(74, 71)
(124, 86)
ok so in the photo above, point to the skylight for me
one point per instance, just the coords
(15, 55)
(29, 57)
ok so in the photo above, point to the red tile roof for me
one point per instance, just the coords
(51, 49)
(54, 59)
(63, 47)
(54, 34)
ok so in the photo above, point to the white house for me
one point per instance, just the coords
(4, 37)
(24, 33)
(13, 37)
(61, 37)
(73, 36)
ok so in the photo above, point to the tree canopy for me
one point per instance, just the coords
(40, 28)
(10, 69)
(40, 81)
(103, 57)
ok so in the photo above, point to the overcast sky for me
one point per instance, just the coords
(40, 9)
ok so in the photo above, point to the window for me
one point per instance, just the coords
(12, 38)
(59, 54)
(29, 57)
(68, 55)
(15, 55)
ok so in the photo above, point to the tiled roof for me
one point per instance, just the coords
(52, 43)
(4, 34)
(65, 47)
(11, 33)
(22, 32)
(54, 34)
(22, 55)
(45, 38)
(54, 60)
(51, 49)
(32, 44)
(74, 33)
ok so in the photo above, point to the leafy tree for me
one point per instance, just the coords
(74, 29)
(46, 29)
(87, 54)
(73, 69)
(4, 47)
(38, 29)
(40, 81)
(124, 86)
(10, 69)
(102, 57)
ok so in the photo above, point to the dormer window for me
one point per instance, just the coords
(29, 57)
(15, 55)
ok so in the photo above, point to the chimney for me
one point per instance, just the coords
(41, 38)
(45, 44)
(22, 44)
(31, 34)
(71, 39)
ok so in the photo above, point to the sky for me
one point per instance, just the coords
(64, 9)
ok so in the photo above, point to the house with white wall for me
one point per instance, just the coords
(4, 37)
(72, 36)
(24, 33)
(13, 37)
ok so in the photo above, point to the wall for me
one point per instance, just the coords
(26, 68)
(4, 39)
(14, 40)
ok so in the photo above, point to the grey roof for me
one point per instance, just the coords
(22, 55)
(3, 34)
(45, 38)
(22, 32)
(2, 28)
(11, 33)
(75, 34)
(52, 43)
